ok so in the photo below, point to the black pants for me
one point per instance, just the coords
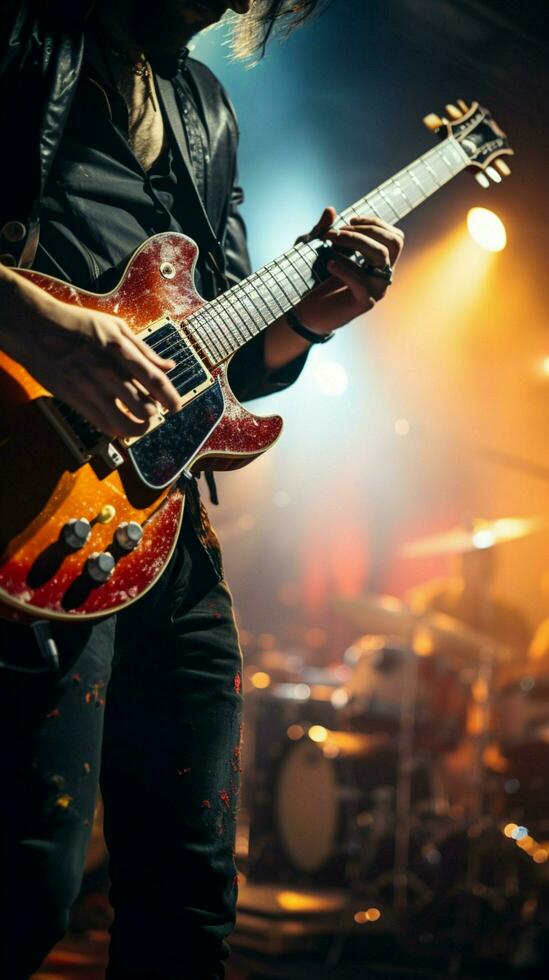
(152, 701)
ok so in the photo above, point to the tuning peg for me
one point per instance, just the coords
(432, 121)
(482, 179)
(494, 174)
(463, 105)
(452, 111)
(503, 167)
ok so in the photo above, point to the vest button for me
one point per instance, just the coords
(14, 231)
(7, 259)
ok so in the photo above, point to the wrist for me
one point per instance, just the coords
(302, 330)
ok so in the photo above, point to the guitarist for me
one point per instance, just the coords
(111, 133)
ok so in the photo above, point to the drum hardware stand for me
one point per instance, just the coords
(405, 767)
(482, 691)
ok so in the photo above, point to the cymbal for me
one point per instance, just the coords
(384, 617)
(479, 536)
(380, 614)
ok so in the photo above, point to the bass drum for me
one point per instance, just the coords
(335, 801)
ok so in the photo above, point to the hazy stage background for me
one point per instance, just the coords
(418, 416)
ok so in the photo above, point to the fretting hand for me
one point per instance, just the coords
(351, 290)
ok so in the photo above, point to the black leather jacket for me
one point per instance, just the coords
(39, 68)
(41, 56)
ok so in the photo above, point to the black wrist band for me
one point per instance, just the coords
(299, 328)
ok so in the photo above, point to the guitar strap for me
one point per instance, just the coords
(206, 238)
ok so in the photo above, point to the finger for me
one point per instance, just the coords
(364, 291)
(376, 252)
(136, 367)
(381, 231)
(325, 222)
(108, 418)
(165, 363)
(136, 400)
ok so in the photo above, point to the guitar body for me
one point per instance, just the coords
(47, 479)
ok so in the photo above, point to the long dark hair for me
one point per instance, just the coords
(267, 17)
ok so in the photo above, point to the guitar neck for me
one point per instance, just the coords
(224, 325)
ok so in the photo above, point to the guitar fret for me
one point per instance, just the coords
(404, 195)
(296, 267)
(272, 315)
(370, 203)
(226, 305)
(206, 321)
(281, 305)
(288, 280)
(207, 337)
(245, 325)
(250, 302)
(417, 183)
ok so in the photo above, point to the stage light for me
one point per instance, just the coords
(331, 378)
(540, 856)
(301, 692)
(486, 229)
(483, 539)
(510, 829)
(545, 366)
(367, 915)
(519, 833)
(307, 902)
(317, 733)
(261, 680)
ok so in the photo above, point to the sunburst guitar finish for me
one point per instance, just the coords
(55, 469)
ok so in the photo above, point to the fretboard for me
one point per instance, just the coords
(225, 324)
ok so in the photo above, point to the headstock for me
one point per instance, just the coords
(478, 135)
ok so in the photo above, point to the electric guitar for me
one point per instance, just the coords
(88, 524)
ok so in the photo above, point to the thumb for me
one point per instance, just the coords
(323, 225)
(325, 222)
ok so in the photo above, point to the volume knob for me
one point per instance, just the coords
(100, 565)
(76, 532)
(129, 534)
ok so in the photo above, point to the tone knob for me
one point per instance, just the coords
(100, 566)
(76, 532)
(129, 534)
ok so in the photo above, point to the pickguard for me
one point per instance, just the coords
(160, 456)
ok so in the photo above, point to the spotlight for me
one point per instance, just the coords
(486, 229)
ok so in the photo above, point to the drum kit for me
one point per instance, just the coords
(415, 770)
